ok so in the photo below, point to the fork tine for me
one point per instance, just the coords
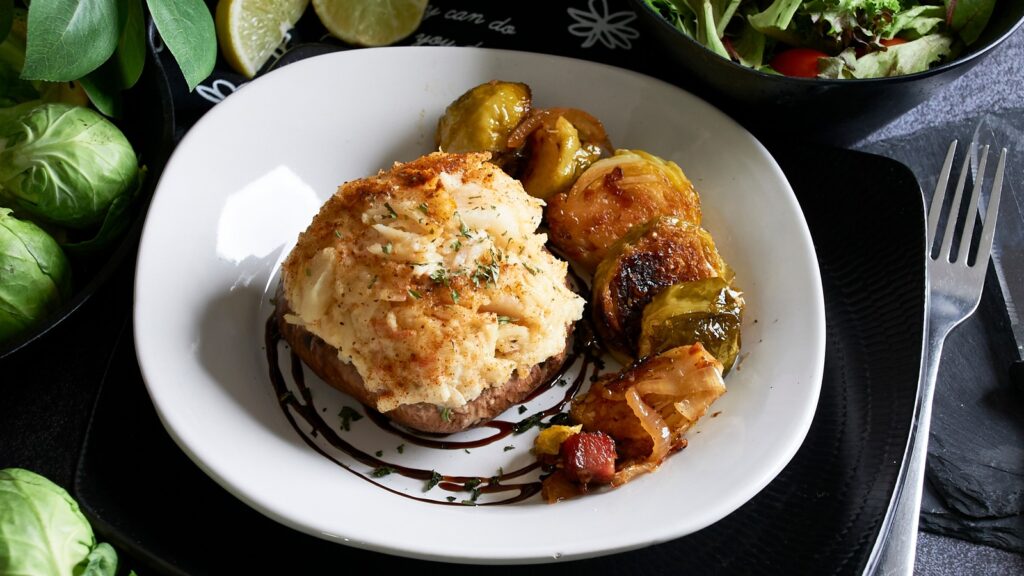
(991, 212)
(954, 211)
(940, 195)
(972, 207)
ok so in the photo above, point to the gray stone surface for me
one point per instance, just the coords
(995, 85)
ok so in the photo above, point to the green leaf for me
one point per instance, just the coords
(123, 69)
(14, 90)
(707, 30)
(131, 48)
(6, 18)
(102, 561)
(186, 27)
(749, 46)
(915, 22)
(67, 39)
(969, 17)
(774, 20)
(914, 56)
(104, 89)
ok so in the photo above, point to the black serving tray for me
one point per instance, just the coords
(821, 515)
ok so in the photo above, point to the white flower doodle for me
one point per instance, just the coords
(156, 40)
(218, 90)
(597, 24)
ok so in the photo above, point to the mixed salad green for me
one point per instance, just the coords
(831, 38)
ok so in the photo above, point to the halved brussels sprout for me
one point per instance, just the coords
(482, 119)
(555, 158)
(708, 311)
(650, 258)
(612, 196)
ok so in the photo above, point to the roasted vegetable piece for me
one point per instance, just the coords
(648, 407)
(708, 311)
(613, 195)
(549, 441)
(482, 119)
(590, 129)
(555, 157)
(35, 277)
(647, 260)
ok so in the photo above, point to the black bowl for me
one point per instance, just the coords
(838, 112)
(147, 123)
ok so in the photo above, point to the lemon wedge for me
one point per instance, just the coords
(249, 31)
(370, 22)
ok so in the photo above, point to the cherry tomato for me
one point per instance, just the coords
(887, 43)
(800, 62)
(893, 41)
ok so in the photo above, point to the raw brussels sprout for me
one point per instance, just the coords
(614, 195)
(648, 259)
(34, 275)
(62, 164)
(43, 531)
(483, 118)
(708, 311)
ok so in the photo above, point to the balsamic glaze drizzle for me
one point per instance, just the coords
(585, 346)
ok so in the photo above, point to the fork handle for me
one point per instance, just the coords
(896, 548)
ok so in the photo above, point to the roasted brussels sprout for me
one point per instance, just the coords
(555, 157)
(35, 276)
(482, 119)
(708, 311)
(63, 165)
(647, 260)
(556, 146)
(614, 195)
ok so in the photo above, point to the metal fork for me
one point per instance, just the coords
(954, 289)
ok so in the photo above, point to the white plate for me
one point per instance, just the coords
(252, 173)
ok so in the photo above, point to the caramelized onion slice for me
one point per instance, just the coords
(590, 129)
(681, 382)
(631, 471)
(653, 424)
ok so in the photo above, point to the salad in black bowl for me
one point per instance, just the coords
(831, 38)
(830, 71)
